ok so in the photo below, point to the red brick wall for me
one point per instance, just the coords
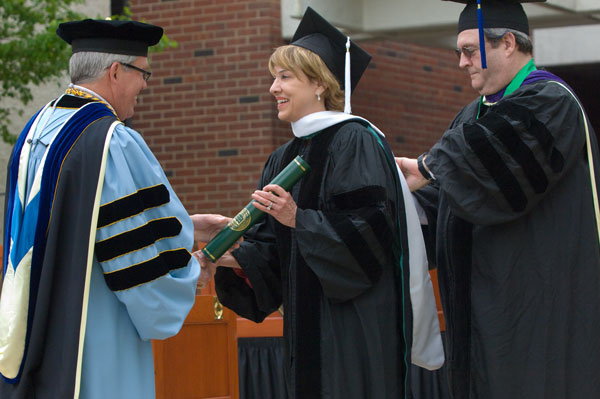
(211, 122)
(411, 93)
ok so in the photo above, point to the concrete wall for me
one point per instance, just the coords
(567, 45)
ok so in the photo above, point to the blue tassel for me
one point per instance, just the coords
(481, 35)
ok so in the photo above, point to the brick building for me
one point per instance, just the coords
(209, 118)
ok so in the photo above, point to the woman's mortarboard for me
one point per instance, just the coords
(316, 34)
(110, 36)
(482, 14)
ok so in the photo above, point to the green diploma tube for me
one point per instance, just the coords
(286, 179)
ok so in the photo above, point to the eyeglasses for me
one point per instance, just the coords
(145, 74)
(467, 51)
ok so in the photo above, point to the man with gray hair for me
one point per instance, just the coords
(97, 252)
(511, 202)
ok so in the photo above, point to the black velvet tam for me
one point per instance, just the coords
(496, 14)
(108, 36)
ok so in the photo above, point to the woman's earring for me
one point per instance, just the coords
(318, 97)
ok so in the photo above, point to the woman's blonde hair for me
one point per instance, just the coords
(295, 58)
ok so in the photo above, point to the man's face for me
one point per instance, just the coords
(129, 84)
(485, 81)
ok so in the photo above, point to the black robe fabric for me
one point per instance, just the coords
(49, 369)
(341, 274)
(512, 220)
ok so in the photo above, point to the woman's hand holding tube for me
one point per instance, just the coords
(277, 202)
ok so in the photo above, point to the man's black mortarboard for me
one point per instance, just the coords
(316, 34)
(482, 14)
(110, 36)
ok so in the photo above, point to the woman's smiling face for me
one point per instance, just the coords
(296, 95)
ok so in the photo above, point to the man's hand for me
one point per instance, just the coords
(410, 170)
(206, 226)
(207, 269)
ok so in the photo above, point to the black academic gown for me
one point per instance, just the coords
(340, 274)
(512, 220)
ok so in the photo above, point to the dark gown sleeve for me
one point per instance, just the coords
(347, 242)
(259, 259)
(499, 167)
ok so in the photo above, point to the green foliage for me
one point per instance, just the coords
(30, 51)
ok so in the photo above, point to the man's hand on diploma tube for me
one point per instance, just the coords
(206, 226)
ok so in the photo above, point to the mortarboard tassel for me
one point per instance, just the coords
(347, 89)
(481, 35)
